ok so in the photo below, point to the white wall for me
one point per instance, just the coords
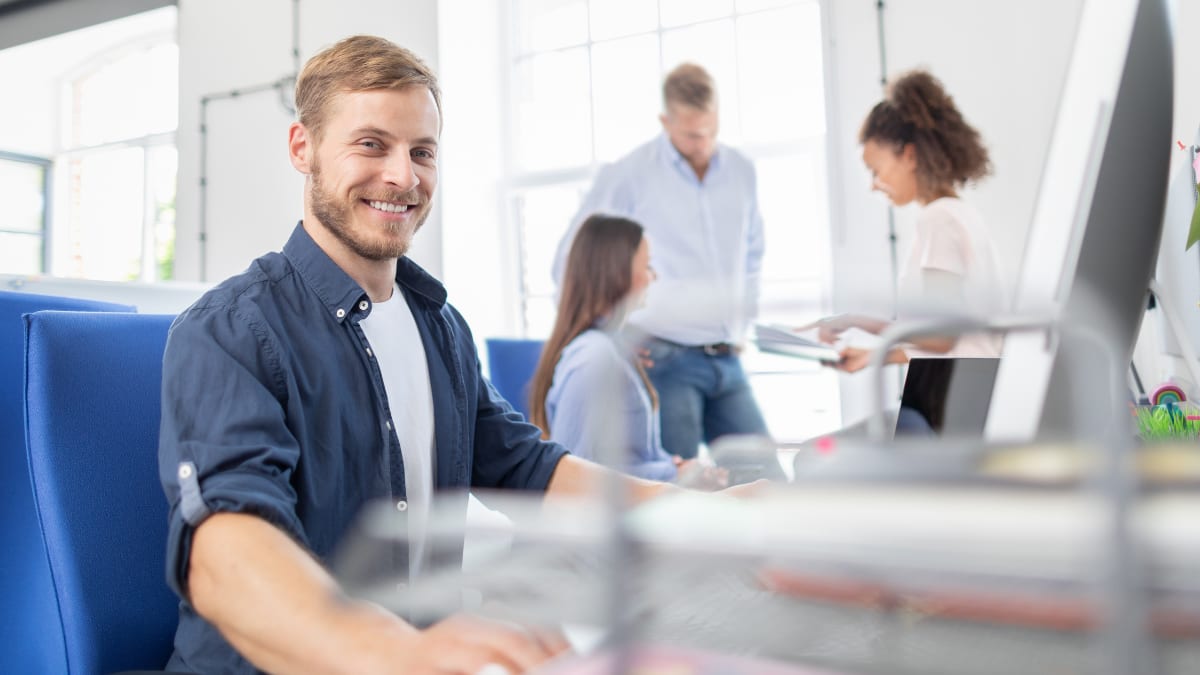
(1187, 69)
(477, 246)
(254, 195)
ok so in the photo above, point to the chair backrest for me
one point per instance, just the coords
(92, 396)
(511, 362)
(29, 627)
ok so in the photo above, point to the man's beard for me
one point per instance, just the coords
(336, 216)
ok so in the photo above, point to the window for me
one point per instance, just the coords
(91, 154)
(119, 164)
(586, 79)
(23, 228)
(585, 87)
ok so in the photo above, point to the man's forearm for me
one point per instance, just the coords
(577, 477)
(277, 606)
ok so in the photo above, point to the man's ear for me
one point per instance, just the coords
(301, 147)
(662, 119)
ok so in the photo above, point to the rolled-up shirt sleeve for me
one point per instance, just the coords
(224, 445)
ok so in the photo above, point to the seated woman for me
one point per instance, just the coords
(586, 364)
(920, 149)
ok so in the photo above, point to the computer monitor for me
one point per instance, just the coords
(951, 396)
(1094, 236)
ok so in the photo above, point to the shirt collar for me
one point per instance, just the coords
(671, 153)
(337, 290)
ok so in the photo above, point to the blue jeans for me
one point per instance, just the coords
(910, 422)
(701, 397)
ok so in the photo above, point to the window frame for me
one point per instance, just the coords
(47, 166)
(66, 152)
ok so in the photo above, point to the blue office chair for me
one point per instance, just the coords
(30, 637)
(511, 362)
(92, 413)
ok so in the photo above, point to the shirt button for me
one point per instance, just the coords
(369, 352)
(389, 425)
(364, 305)
(341, 313)
(185, 471)
(401, 505)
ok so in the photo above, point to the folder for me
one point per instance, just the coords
(779, 339)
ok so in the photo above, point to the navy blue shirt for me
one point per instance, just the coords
(273, 404)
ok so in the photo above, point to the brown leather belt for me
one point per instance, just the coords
(715, 349)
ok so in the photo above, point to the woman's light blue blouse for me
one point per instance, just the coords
(590, 364)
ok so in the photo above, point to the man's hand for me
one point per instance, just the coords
(282, 610)
(829, 328)
(465, 644)
(643, 355)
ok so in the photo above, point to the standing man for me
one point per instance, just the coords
(698, 201)
(331, 374)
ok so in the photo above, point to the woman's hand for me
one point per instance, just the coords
(855, 359)
(700, 475)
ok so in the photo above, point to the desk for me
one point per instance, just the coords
(860, 579)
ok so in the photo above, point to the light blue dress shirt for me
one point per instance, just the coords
(592, 372)
(706, 239)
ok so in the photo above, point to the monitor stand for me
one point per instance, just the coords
(1166, 304)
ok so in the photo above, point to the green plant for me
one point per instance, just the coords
(1166, 422)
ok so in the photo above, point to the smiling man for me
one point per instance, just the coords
(327, 375)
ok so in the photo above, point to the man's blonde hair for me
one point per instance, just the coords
(689, 84)
(358, 63)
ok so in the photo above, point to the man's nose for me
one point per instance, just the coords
(398, 171)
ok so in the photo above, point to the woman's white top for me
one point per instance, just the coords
(951, 237)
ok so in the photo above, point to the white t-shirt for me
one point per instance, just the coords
(396, 344)
(951, 237)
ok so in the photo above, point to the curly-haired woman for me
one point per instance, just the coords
(920, 149)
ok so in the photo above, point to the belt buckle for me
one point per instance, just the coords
(716, 350)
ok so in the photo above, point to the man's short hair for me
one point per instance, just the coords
(689, 85)
(358, 63)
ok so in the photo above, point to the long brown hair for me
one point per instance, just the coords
(597, 279)
(917, 111)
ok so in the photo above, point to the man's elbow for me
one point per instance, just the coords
(202, 583)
